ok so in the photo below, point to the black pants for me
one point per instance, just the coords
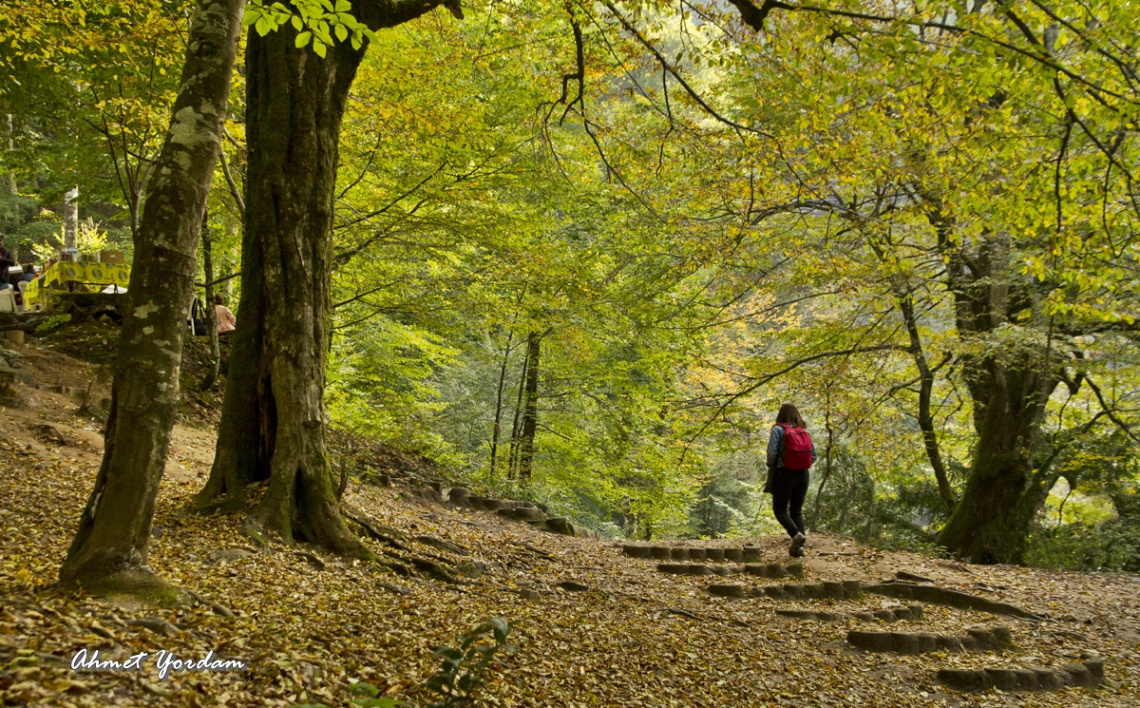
(789, 488)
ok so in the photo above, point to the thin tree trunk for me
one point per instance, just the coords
(826, 459)
(71, 219)
(925, 391)
(8, 180)
(499, 401)
(516, 431)
(904, 299)
(109, 552)
(530, 412)
(211, 314)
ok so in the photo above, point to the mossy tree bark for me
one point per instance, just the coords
(1004, 491)
(1009, 385)
(273, 418)
(109, 551)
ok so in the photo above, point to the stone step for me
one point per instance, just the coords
(1088, 674)
(976, 639)
(913, 612)
(746, 554)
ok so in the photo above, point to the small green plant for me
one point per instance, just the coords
(53, 322)
(464, 668)
(365, 695)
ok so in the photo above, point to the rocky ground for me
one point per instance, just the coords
(591, 626)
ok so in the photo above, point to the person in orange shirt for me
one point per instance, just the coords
(226, 320)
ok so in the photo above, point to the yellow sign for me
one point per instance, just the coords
(72, 277)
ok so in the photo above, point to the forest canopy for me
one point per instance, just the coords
(581, 252)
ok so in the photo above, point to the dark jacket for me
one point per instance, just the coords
(6, 261)
(776, 454)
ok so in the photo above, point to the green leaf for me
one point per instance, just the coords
(376, 702)
(263, 27)
(321, 29)
(500, 627)
(341, 32)
(297, 24)
(343, 5)
(362, 688)
(303, 39)
(320, 48)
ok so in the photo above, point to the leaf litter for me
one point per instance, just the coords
(634, 637)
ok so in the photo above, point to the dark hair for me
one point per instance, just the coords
(791, 416)
(218, 298)
(29, 268)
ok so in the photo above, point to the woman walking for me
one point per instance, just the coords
(790, 455)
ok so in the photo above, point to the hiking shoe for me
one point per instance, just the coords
(797, 548)
(798, 553)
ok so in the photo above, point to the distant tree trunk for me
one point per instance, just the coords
(530, 411)
(211, 314)
(8, 180)
(495, 430)
(109, 552)
(71, 218)
(273, 418)
(925, 392)
(516, 430)
(826, 459)
(904, 300)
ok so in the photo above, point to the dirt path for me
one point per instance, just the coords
(592, 626)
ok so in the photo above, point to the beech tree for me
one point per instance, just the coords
(273, 417)
(109, 552)
(1028, 235)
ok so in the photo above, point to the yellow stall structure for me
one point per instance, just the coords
(65, 277)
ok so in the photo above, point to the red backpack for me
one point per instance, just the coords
(797, 448)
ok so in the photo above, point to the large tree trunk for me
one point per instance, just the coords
(109, 552)
(248, 424)
(295, 103)
(1003, 494)
(273, 418)
(1009, 390)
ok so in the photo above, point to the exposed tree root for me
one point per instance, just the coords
(135, 583)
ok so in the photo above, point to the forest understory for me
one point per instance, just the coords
(591, 626)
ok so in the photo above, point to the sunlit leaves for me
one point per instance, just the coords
(315, 21)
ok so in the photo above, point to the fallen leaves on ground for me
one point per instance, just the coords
(636, 637)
